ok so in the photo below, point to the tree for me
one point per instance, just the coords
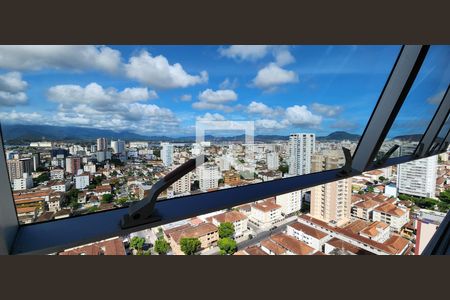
(137, 243)
(121, 201)
(107, 198)
(445, 196)
(161, 246)
(226, 230)
(382, 178)
(190, 245)
(283, 169)
(92, 209)
(43, 177)
(370, 189)
(227, 246)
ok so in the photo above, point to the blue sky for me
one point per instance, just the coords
(164, 90)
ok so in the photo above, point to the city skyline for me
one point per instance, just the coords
(164, 90)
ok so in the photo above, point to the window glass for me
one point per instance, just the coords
(90, 128)
(421, 103)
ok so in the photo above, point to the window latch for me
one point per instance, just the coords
(143, 212)
(379, 162)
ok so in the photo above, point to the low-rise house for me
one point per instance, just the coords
(63, 213)
(252, 250)
(55, 202)
(207, 233)
(363, 209)
(238, 219)
(59, 185)
(336, 246)
(392, 215)
(310, 236)
(101, 190)
(27, 214)
(266, 214)
(113, 246)
(283, 244)
(377, 231)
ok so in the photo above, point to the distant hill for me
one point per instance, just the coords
(409, 137)
(340, 136)
(20, 134)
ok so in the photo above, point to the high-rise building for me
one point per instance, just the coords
(289, 202)
(102, 144)
(301, 148)
(182, 185)
(418, 177)
(17, 167)
(36, 158)
(167, 154)
(331, 201)
(73, 164)
(209, 176)
(273, 161)
(118, 147)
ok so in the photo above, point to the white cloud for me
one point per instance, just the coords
(229, 84)
(283, 56)
(437, 98)
(202, 105)
(22, 117)
(12, 89)
(94, 94)
(245, 52)
(157, 72)
(75, 57)
(186, 97)
(272, 75)
(211, 117)
(301, 116)
(269, 124)
(326, 110)
(259, 108)
(219, 96)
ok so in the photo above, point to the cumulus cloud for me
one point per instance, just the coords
(301, 116)
(259, 108)
(94, 94)
(283, 56)
(22, 117)
(211, 117)
(437, 98)
(245, 52)
(272, 76)
(12, 89)
(157, 72)
(186, 97)
(269, 124)
(76, 57)
(219, 96)
(326, 110)
(215, 100)
(229, 84)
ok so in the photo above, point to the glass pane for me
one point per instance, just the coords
(444, 131)
(421, 103)
(90, 128)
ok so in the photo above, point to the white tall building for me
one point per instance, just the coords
(81, 181)
(209, 176)
(273, 161)
(101, 144)
(167, 154)
(118, 147)
(301, 148)
(289, 202)
(24, 183)
(418, 177)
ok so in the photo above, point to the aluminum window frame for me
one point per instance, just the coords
(57, 235)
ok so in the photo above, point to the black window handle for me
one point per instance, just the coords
(142, 212)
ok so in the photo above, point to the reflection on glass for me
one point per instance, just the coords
(96, 132)
(444, 131)
(421, 103)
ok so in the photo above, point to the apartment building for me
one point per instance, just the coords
(207, 233)
(283, 244)
(301, 148)
(310, 236)
(238, 219)
(17, 167)
(167, 154)
(209, 176)
(290, 202)
(81, 181)
(24, 183)
(57, 174)
(182, 185)
(73, 164)
(392, 215)
(418, 177)
(363, 209)
(331, 201)
(265, 214)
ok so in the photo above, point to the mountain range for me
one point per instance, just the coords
(20, 134)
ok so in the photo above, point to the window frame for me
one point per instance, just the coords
(57, 235)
